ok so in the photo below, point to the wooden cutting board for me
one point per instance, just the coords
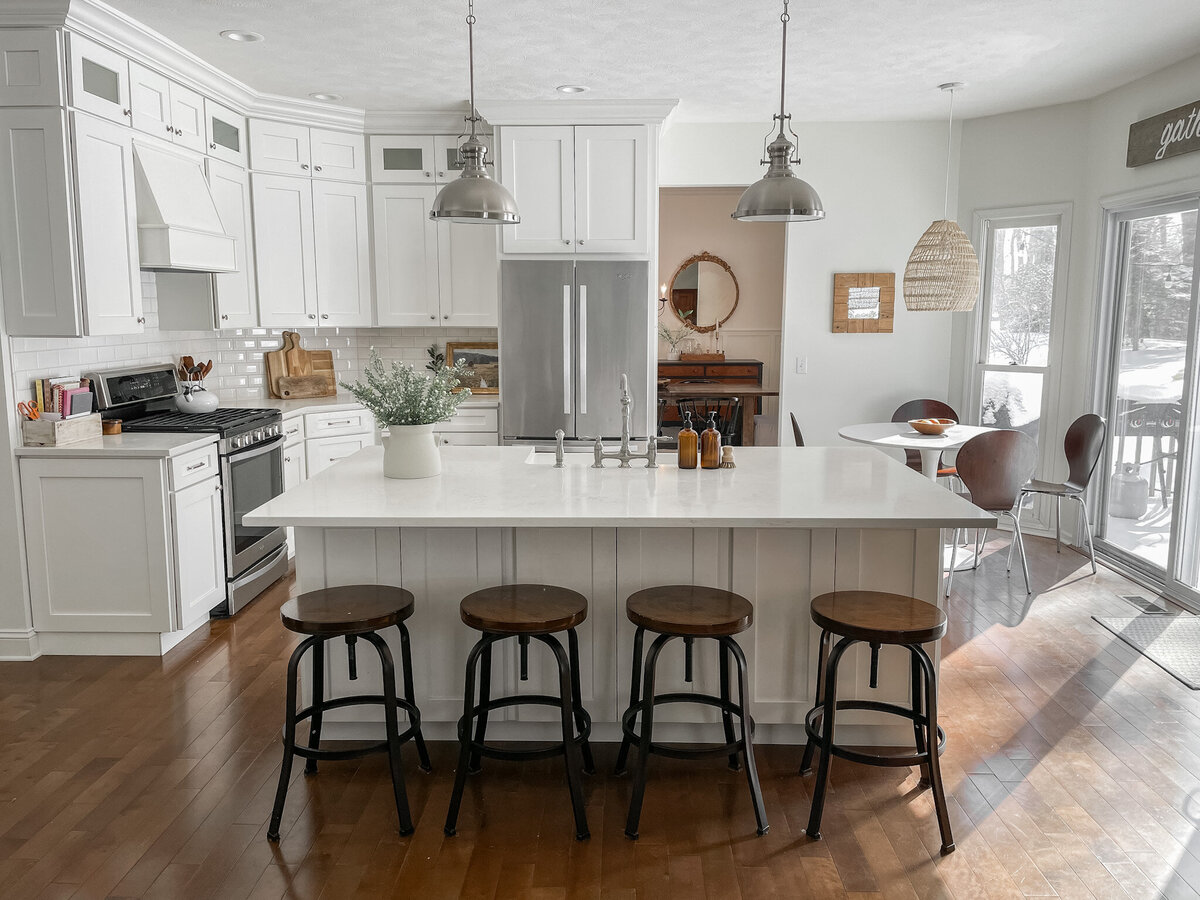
(302, 387)
(297, 360)
(322, 364)
(276, 362)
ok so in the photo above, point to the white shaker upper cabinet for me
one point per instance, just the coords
(343, 253)
(107, 227)
(335, 154)
(226, 133)
(612, 170)
(99, 80)
(284, 250)
(537, 164)
(406, 256)
(165, 109)
(280, 148)
(236, 298)
(29, 67)
(187, 118)
(402, 159)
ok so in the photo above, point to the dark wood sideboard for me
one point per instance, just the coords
(726, 371)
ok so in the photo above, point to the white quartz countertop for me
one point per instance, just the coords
(341, 401)
(145, 445)
(798, 487)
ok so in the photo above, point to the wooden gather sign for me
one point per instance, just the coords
(1172, 133)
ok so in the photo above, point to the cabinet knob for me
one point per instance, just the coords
(304, 166)
(287, 459)
(127, 113)
(316, 168)
(225, 318)
(312, 315)
(580, 243)
(141, 320)
(324, 315)
(170, 130)
(441, 174)
(567, 242)
(212, 146)
(432, 316)
(428, 174)
(179, 131)
(446, 316)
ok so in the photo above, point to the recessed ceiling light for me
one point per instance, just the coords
(327, 98)
(243, 37)
(571, 88)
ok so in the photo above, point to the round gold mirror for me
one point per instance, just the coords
(703, 292)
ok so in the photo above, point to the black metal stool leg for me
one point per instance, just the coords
(818, 801)
(464, 736)
(392, 722)
(635, 683)
(570, 747)
(474, 767)
(935, 768)
(726, 715)
(810, 747)
(589, 764)
(289, 738)
(760, 813)
(410, 694)
(318, 701)
(918, 708)
(647, 704)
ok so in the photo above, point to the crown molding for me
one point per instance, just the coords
(577, 112)
(443, 121)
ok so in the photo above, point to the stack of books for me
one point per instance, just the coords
(63, 398)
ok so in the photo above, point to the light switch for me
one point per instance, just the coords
(801, 365)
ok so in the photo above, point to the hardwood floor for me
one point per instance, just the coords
(1073, 769)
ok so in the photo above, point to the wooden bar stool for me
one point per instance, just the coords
(524, 611)
(353, 611)
(687, 611)
(877, 618)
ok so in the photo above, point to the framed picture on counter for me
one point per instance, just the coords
(484, 359)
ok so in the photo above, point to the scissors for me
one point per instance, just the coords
(29, 410)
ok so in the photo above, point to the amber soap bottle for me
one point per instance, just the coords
(710, 444)
(688, 443)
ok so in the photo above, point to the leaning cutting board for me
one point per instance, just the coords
(297, 360)
(276, 362)
(302, 387)
(322, 364)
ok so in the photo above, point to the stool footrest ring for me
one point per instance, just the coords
(691, 751)
(414, 726)
(544, 751)
(813, 722)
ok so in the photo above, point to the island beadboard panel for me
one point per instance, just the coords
(778, 569)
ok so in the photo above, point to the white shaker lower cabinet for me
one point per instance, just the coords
(331, 436)
(117, 560)
(470, 426)
(321, 453)
(107, 227)
(295, 466)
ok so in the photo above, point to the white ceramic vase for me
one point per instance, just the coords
(410, 451)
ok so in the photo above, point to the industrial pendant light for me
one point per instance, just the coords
(474, 197)
(779, 196)
(943, 269)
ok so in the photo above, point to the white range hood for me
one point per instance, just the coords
(178, 225)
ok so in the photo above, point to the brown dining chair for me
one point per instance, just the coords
(994, 467)
(1082, 447)
(796, 431)
(925, 409)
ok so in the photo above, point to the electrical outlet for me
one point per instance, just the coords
(801, 365)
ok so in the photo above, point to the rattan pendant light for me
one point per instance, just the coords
(943, 270)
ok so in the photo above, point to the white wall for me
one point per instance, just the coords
(882, 184)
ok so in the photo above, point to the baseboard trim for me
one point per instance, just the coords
(19, 645)
(101, 643)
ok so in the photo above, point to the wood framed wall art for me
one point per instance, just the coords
(864, 302)
(484, 359)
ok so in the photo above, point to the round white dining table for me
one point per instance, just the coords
(901, 436)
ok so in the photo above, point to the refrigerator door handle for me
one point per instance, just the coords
(566, 326)
(583, 319)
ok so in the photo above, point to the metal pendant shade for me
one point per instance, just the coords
(780, 196)
(474, 197)
(942, 274)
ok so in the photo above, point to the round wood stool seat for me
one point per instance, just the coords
(878, 617)
(523, 609)
(349, 609)
(690, 610)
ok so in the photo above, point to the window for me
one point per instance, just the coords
(1023, 266)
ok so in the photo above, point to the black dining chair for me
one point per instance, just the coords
(796, 431)
(925, 409)
(993, 468)
(728, 410)
(1082, 447)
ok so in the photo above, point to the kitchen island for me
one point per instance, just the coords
(784, 526)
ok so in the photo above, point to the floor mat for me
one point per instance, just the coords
(1173, 642)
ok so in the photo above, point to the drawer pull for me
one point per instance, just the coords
(339, 422)
(292, 431)
(199, 465)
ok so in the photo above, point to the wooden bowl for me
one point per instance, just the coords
(931, 426)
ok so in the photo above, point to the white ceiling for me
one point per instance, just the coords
(848, 59)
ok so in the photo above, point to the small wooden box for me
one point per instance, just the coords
(702, 357)
(56, 432)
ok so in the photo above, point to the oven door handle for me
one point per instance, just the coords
(258, 450)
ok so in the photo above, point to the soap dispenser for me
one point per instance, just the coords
(710, 444)
(688, 443)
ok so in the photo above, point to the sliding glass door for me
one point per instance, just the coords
(1149, 518)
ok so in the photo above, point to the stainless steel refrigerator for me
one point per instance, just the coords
(568, 330)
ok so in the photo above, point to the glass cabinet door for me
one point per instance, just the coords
(403, 159)
(226, 133)
(99, 80)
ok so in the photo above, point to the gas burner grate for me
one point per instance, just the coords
(218, 420)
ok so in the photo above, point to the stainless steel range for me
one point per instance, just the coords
(251, 452)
